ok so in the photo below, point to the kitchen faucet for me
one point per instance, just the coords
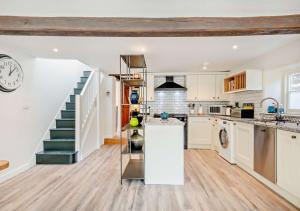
(278, 114)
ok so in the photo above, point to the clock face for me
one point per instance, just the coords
(11, 74)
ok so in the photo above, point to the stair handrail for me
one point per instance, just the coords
(83, 106)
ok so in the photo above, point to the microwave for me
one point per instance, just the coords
(217, 109)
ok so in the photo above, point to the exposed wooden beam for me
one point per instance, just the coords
(149, 27)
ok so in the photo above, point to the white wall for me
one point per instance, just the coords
(274, 65)
(27, 112)
(108, 109)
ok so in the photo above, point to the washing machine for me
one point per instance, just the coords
(227, 140)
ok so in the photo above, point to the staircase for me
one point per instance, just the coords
(60, 148)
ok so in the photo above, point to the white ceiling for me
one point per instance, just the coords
(162, 54)
(149, 8)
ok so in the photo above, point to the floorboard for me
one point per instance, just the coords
(94, 184)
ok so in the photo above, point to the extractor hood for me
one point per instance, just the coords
(170, 85)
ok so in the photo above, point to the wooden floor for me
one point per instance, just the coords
(94, 184)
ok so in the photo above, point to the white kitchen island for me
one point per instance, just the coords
(164, 152)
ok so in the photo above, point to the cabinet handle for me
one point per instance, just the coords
(294, 137)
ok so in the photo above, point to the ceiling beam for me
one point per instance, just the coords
(149, 27)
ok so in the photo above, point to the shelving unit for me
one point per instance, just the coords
(132, 161)
(243, 81)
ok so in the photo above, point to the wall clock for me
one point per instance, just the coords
(11, 74)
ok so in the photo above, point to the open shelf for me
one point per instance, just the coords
(134, 61)
(127, 151)
(135, 82)
(132, 161)
(129, 127)
(134, 169)
(235, 82)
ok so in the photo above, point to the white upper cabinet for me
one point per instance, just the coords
(205, 87)
(150, 87)
(192, 87)
(288, 157)
(243, 81)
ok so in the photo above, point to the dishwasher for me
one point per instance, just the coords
(265, 152)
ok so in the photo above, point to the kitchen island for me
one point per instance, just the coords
(164, 152)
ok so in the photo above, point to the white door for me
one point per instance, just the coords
(191, 85)
(206, 87)
(220, 95)
(150, 87)
(199, 133)
(244, 145)
(288, 158)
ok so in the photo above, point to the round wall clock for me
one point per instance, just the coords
(11, 74)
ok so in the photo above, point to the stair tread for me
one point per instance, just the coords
(68, 128)
(52, 152)
(60, 140)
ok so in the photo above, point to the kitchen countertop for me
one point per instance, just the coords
(292, 127)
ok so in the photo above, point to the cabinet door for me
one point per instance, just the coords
(206, 87)
(199, 133)
(150, 87)
(244, 145)
(191, 85)
(288, 158)
(220, 95)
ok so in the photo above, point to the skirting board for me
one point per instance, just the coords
(199, 146)
(9, 173)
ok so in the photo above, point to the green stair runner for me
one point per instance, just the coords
(60, 148)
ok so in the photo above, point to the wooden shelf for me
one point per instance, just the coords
(126, 151)
(134, 169)
(135, 82)
(129, 127)
(246, 80)
(4, 164)
(134, 61)
(235, 82)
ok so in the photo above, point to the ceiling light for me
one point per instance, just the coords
(234, 47)
(143, 49)
(204, 67)
(55, 50)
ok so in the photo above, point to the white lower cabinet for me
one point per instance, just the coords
(244, 147)
(288, 158)
(199, 133)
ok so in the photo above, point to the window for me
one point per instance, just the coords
(293, 92)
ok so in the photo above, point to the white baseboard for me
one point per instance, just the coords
(199, 146)
(9, 173)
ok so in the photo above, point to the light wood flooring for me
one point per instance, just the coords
(94, 184)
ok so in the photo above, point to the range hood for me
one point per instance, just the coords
(170, 85)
